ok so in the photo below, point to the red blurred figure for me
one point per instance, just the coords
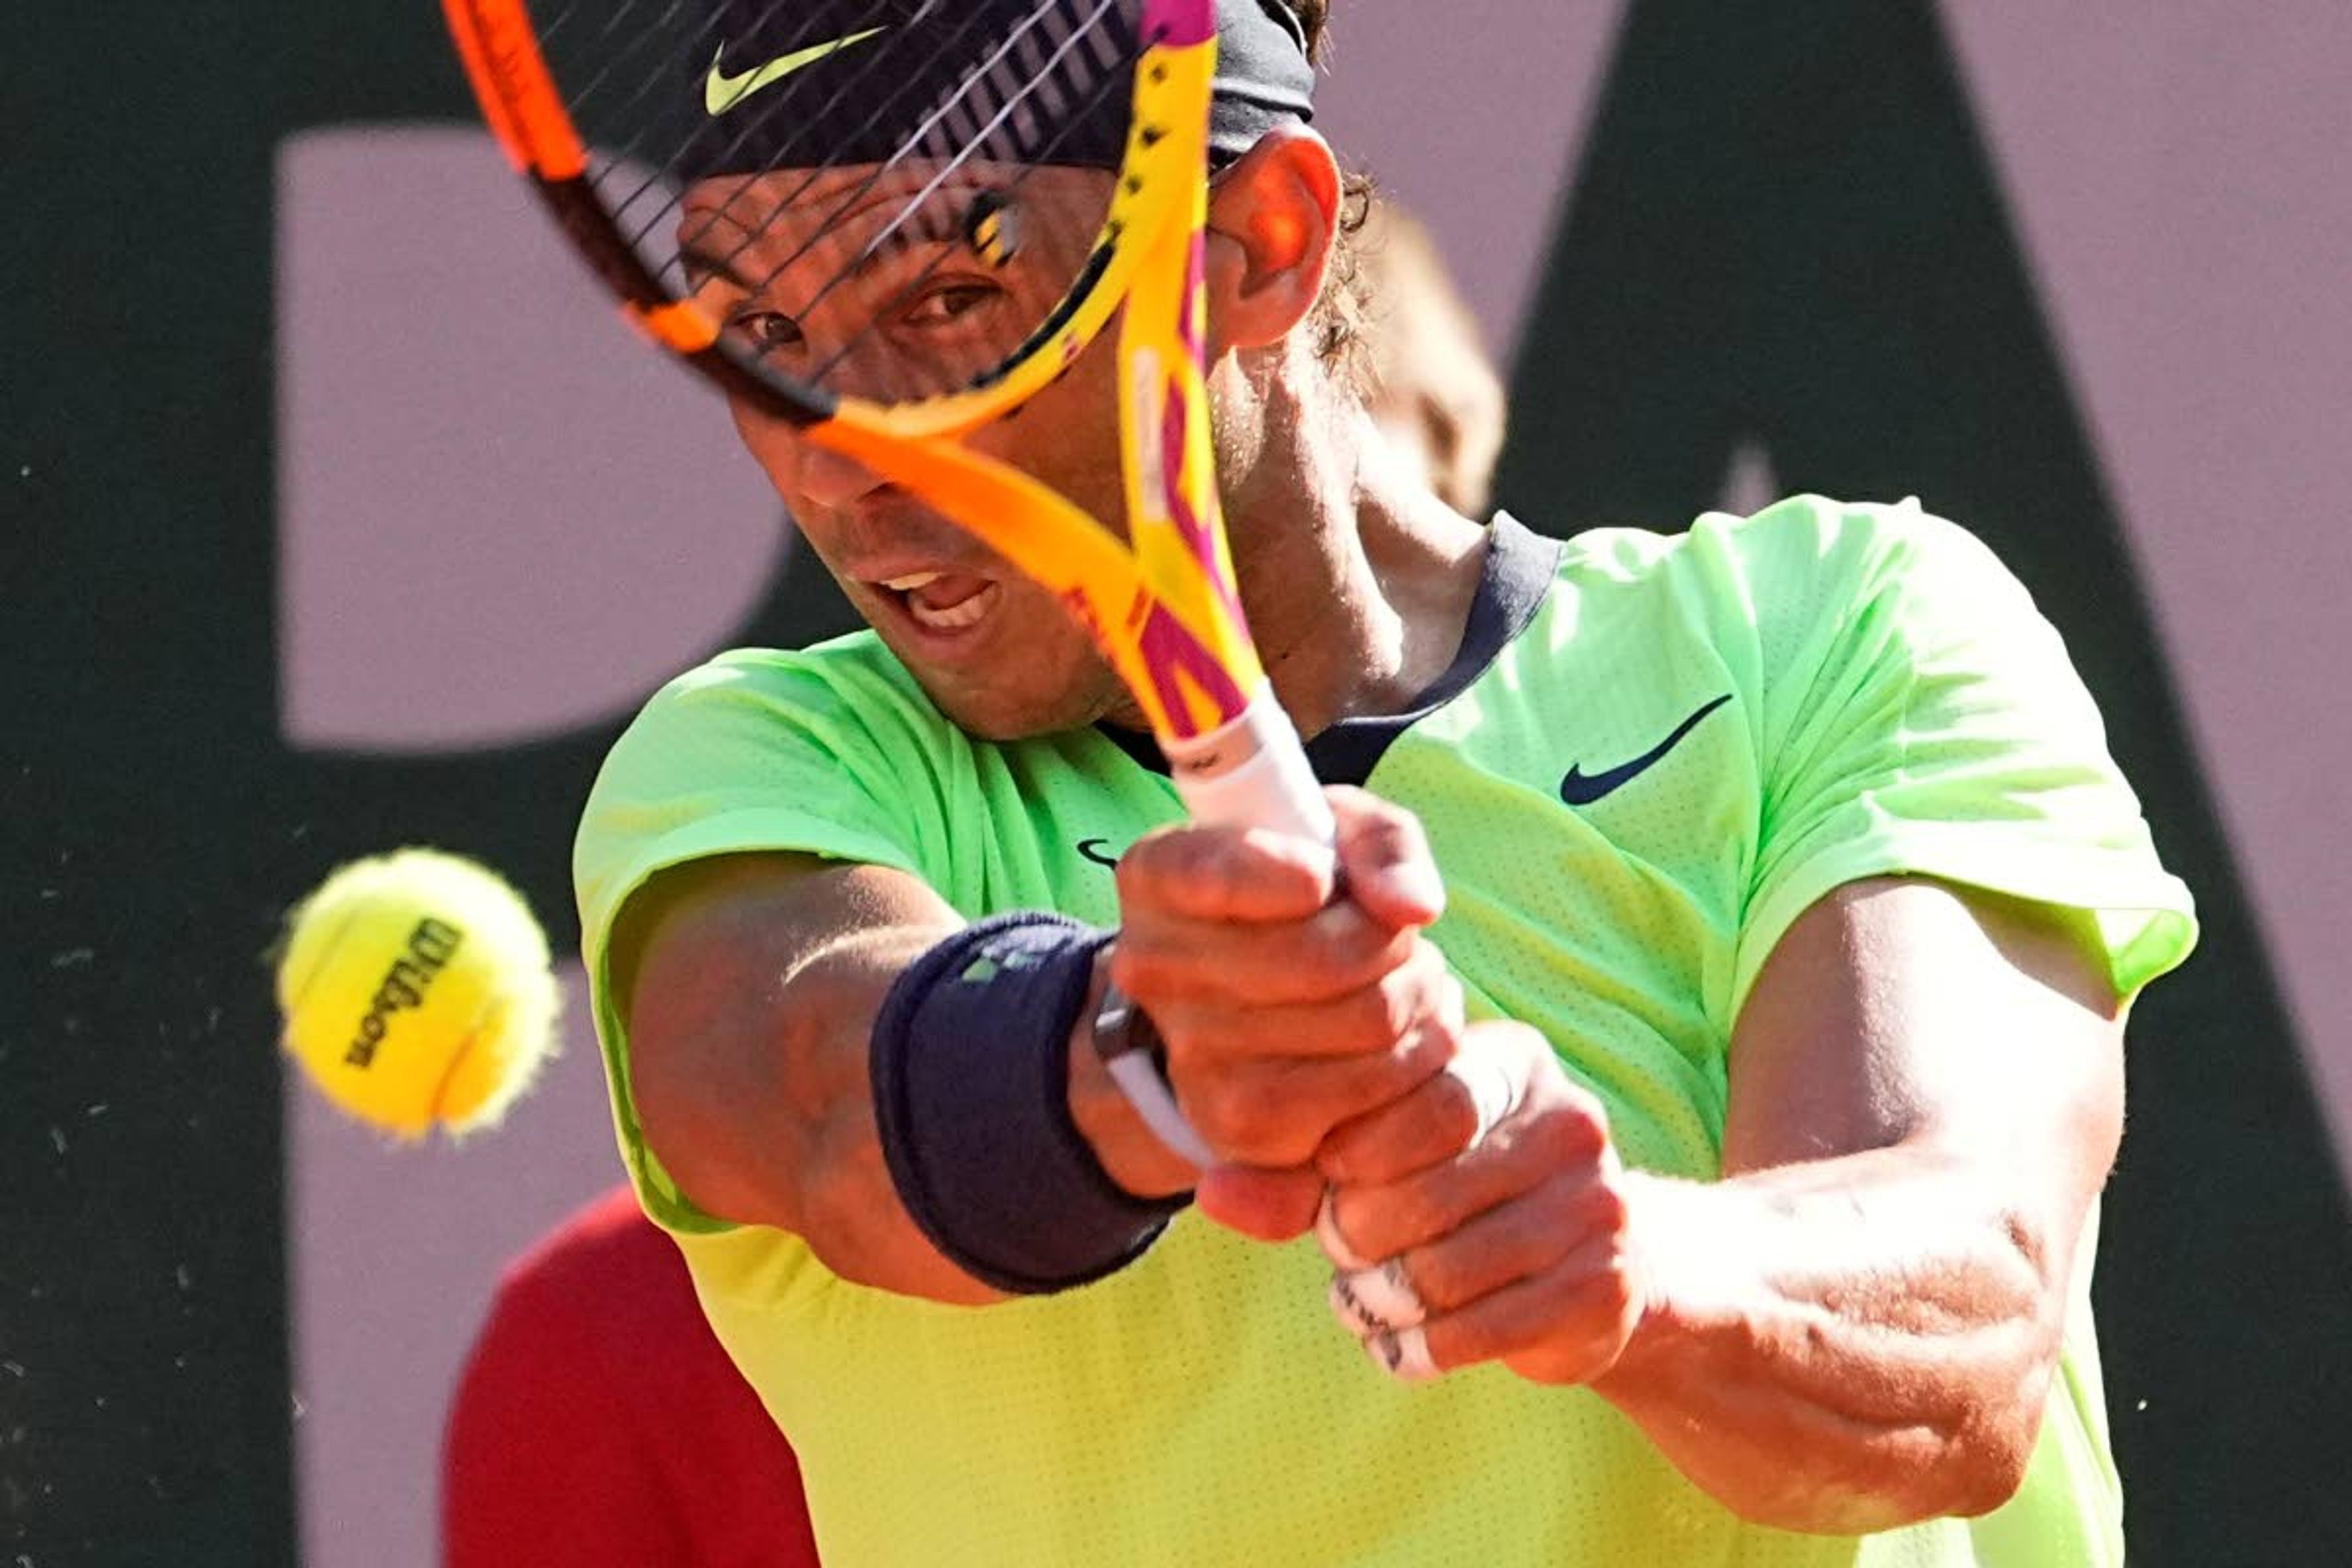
(597, 1421)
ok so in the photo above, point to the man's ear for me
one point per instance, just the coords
(1273, 217)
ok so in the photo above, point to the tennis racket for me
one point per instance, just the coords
(863, 219)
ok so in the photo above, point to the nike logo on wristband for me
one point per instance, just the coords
(1580, 788)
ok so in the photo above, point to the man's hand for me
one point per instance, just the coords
(1288, 1010)
(1518, 1248)
(1856, 1327)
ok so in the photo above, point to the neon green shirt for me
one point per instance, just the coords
(1653, 753)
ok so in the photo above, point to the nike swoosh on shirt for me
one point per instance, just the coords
(1580, 788)
(721, 92)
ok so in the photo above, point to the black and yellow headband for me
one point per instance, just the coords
(832, 83)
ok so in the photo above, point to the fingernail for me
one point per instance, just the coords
(1419, 883)
(1335, 1244)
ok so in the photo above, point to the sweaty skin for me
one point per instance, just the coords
(1853, 1330)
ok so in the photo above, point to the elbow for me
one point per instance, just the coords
(1985, 1467)
(1906, 1480)
(1976, 1460)
(1961, 1447)
(1973, 1474)
(1975, 1453)
(1974, 1456)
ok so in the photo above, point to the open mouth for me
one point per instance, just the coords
(944, 601)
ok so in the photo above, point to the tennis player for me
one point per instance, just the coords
(1709, 1156)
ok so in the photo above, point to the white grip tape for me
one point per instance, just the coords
(1404, 1354)
(1371, 1300)
(1251, 772)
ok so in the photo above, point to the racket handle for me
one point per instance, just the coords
(1251, 772)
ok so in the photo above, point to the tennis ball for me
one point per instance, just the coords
(415, 991)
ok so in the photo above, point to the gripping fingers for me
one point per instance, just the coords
(1265, 1085)
(1369, 1297)
(1515, 1240)
(1385, 859)
(1273, 1112)
(1446, 1117)
(1199, 872)
(1483, 1084)
(1410, 1005)
(1327, 955)
(1504, 1292)
(1548, 1142)
(1567, 1324)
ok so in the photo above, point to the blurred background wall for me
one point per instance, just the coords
(332, 517)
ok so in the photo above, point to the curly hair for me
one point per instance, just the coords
(1339, 314)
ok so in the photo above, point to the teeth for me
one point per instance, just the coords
(911, 581)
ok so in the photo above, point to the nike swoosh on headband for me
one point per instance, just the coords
(721, 92)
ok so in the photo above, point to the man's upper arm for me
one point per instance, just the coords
(748, 984)
(1900, 1010)
(666, 892)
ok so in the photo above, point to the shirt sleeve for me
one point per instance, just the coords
(1921, 717)
(820, 754)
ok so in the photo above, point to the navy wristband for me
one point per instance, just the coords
(970, 1063)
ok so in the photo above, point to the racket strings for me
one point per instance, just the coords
(633, 164)
(915, 141)
(960, 151)
(1021, 70)
(992, 358)
(685, 47)
(610, 58)
(670, 266)
(884, 104)
(645, 83)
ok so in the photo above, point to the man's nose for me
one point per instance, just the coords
(831, 481)
(868, 364)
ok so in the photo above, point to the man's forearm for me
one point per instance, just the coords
(749, 1044)
(1846, 1345)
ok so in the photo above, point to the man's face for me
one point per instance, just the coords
(891, 309)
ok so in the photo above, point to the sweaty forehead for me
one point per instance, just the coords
(848, 194)
(806, 227)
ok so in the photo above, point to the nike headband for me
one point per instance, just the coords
(839, 82)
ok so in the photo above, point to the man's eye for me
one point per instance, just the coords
(949, 301)
(768, 330)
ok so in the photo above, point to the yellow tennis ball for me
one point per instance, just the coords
(415, 991)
